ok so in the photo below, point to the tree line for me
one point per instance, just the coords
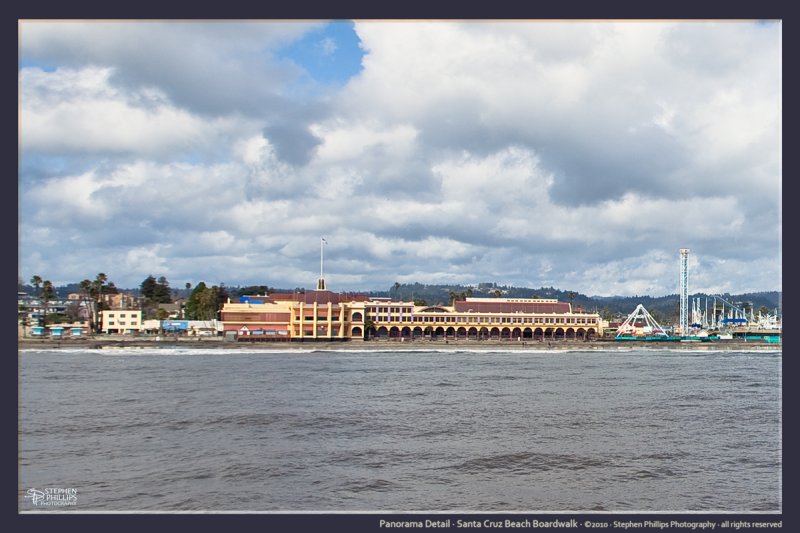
(93, 295)
(203, 302)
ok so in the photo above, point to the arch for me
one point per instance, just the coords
(494, 333)
(527, 333)
(434, 309)
(370, 332)
(472, 333)
(461, 332)
(483, 333)
(358, 317)
(382, 331)
(394, 331)
(569, 334)
(538, 333)
(581, 334)
(505, 333)
(450, 332)
(559, 333)
(549, 333)
(357, 332)
(417, 332)
(516, 333)
(405, 332)
(591, 333)
(438, 331)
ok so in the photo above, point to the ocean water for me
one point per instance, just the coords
(166, 430)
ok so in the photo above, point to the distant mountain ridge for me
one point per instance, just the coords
(662, 307)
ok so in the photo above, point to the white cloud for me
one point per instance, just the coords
(579, 155)
(80, 111)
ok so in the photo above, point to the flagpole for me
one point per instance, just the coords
(321, 282)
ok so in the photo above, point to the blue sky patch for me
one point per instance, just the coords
(331, 54)
(26, 62)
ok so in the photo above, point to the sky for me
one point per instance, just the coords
(581, 155)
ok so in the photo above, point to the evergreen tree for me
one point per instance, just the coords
(148, 287)
(204, 302)
(162, 293)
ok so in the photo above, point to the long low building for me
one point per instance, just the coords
(325, 315)
(483, 318)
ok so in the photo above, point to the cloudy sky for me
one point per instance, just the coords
(581, 155)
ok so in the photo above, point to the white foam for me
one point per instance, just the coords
(155, 351)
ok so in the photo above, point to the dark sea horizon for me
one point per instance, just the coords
(474, 431)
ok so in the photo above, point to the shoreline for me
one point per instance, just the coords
(221, 344)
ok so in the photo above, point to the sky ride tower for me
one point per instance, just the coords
(684, 292)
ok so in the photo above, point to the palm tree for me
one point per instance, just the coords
(185, 299)
(396, 288)
(48, 292)
(86, 289)
(36, 281)
(97, 287)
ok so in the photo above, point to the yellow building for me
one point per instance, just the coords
(325, 315)
(311, 315)
(122, 321)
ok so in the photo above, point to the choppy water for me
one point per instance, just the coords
(241, 430)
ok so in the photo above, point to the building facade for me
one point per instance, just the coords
(312, 315)
(324, 315)
(482, 319)
(122, 321)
